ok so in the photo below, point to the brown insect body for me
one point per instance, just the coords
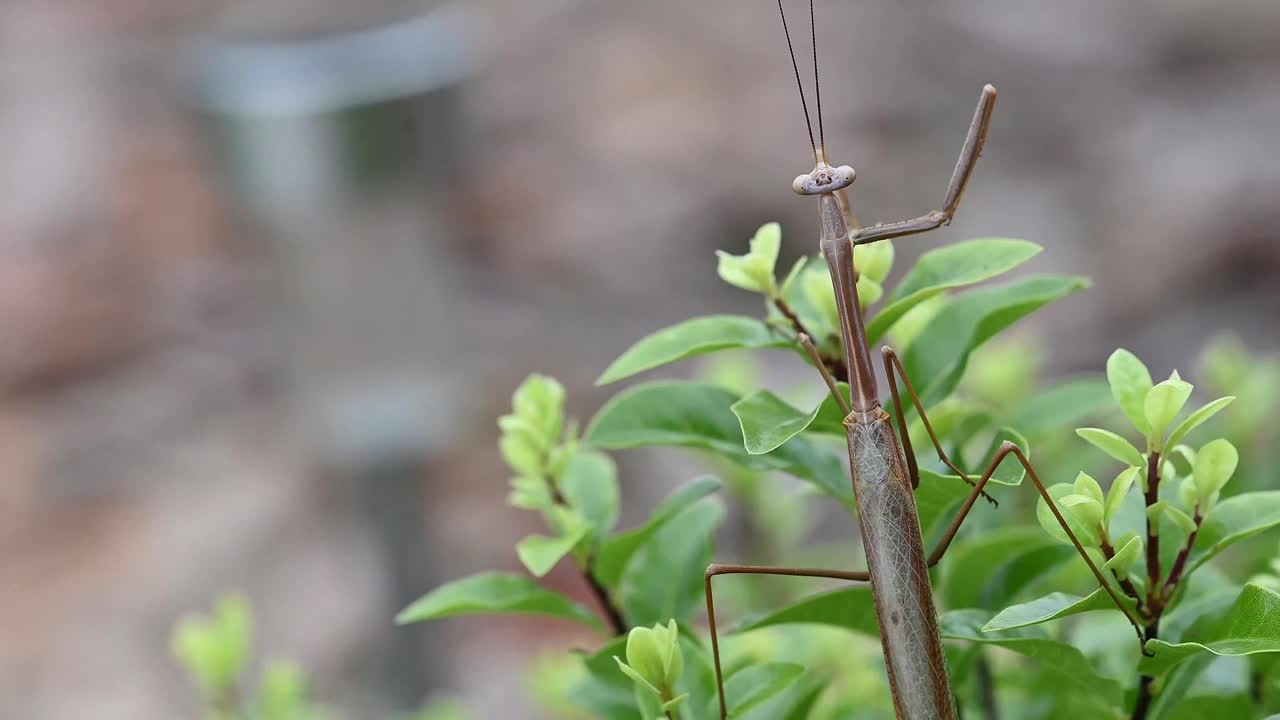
(886, 507)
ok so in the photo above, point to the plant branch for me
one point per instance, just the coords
(1180, 563)
(613, 614)
(1109, 552)
(1153, 530)
(834, 365)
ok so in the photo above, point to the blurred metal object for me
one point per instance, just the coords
(337, 140)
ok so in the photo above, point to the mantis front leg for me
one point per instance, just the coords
(959, 179)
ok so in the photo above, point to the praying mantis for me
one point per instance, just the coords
(882, 462)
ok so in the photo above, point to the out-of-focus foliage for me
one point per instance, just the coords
(1028, 630)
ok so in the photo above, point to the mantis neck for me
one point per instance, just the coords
(864, 396)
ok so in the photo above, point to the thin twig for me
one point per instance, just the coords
(836, 367)
(1180, 563)
(617, 621)
(1109, 552)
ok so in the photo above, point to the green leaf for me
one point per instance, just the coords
(989, 569)
(869, 292)
(611, 561)
(1125, 557)
(491, 594)
(1050, 607)
(1088, 487)
(820, 294)
(754, 271)
(696, 415)
(1162, 405)
(215, 648)
(768, 422)
(874, 260)
(1081, 523)
(1232, 520)
(1130, 382)
(851, 608)
(1113, 445)
(1215, 464)
(755, 684)
(937, 358)
(590, 485)
(1197, 418)
(540, 553)
(1251, 626)
(1063, 405)
(1180, 519)
(1067, 663)
(793, 274)
(1116, 495)
(951, 266)
(636, 676)
(664, 578)
(699, 336)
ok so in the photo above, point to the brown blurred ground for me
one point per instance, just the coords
(145, 467)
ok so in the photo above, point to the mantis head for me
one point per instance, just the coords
(823, 179)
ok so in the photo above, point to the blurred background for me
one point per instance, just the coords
(269, 271)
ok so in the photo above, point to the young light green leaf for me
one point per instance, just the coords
(1067, 663)
(1232, 520)
(540, 553)
(699, 336)
(1197, 418)
(1079, 522)
(1050, 607)
(1251, 626)
(937, 358)
(616, 552)
(755, 684)
(869, 292)
(494, 594)
(640, 680)
(1113, 445)
(539, 401)
(874, 260)
(793, 274)
(1154, 511)
(590, 486)
(696, 415)
(914, 321)
(1086, 509)
(215, 648)
(1085, 485)
(1180, 518)
(1124, 559)
(645, 655)
(1215, 464)
(951, 266)
(754, 271)
(1130, 382)
(1115, 496)
(818, 291)
(1161, 405)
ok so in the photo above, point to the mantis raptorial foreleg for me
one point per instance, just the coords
(959, 179)
(715, 569)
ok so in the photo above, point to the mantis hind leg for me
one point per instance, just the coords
(717, 569)
(1007, 448)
